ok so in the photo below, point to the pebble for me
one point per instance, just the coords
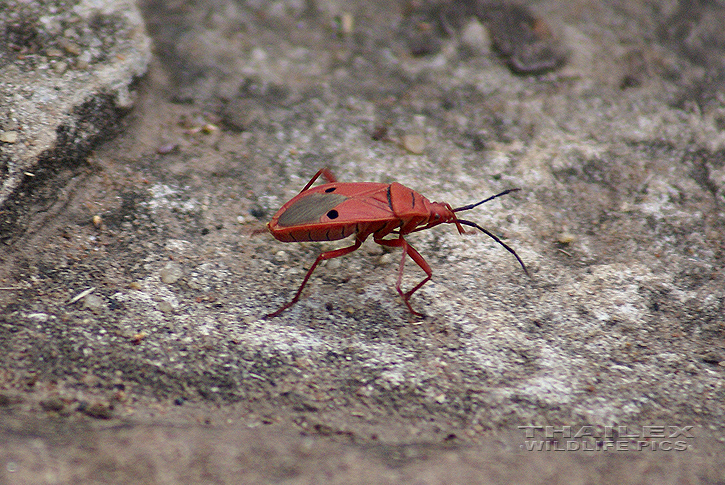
(53, 403)
(166, 148)
(566, 238)
(385, 259)
(99, 411)
(60, 67)
(138, 337)
(166, 306)
(94, 303)
(9, 136)
(414, 143)
(347, 23)
(476, 37)
(171, 273)
(70, 47)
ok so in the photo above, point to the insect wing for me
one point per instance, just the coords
(331, 211)
(367, 202)
(309, 209)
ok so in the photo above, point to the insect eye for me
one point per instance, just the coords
(332, 214)
(331, 189)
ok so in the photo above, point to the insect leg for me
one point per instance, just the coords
(415, 256)
(336, 253)
(325, 173)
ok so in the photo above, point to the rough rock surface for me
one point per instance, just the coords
(134, 313)
(65, 73)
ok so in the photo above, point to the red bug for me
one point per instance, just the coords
(337, 210)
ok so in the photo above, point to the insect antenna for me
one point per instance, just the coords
(492, 236)
(471, 206)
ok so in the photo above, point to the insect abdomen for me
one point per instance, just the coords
(308, 234)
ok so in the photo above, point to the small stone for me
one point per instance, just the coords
(713, 357)
(347, 23)
(99, 411)
(166, 306)
(60, 67)
(70, 47)
(566, 238)
(94, 303)
(9, 136)
(209, 128)
(385, 259)
(476, 37)
(138, 337)
(171, 273)
(53, 403)
(281, 256)
(166, 148)
(414, 143)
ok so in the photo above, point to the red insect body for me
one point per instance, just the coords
(337, 210)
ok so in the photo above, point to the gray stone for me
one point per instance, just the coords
(52, 117)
